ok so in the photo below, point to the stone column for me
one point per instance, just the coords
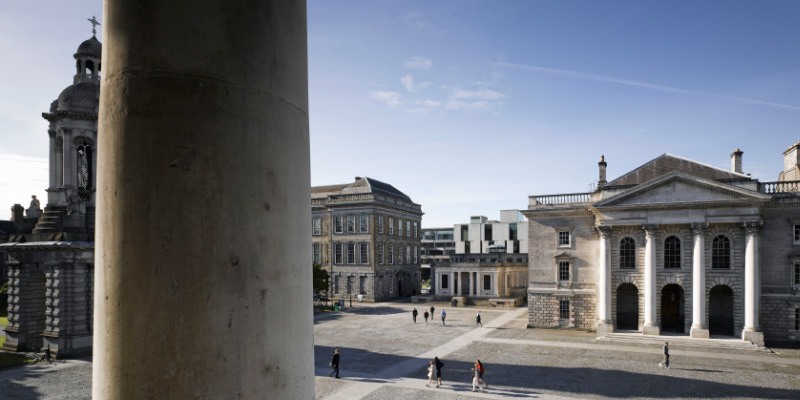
(67, 168)
(604, 322)
(650, 327)
(203, 202)
(752, 284)
(455, 283)
(699, 326)
(470, 284)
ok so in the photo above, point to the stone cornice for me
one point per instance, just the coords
(67, 114)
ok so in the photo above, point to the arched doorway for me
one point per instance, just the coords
(672, 309)
(720, 311)
(627, 307)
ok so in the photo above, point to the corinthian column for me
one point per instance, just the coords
(752, 284)
(604, 322)
(203, 202)
(699, 327)
(650, 327)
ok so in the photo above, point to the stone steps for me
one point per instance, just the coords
(51, 221)
(682, 341)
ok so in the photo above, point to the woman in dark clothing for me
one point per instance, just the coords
(439, 366)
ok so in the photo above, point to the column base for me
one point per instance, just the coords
(753, 336)
(699, 333)
(605, 327)
(651, 330)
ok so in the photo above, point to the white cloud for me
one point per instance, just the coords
(469, 106)
(408, 83)
(485, 94)
(418, 63)
(392, 99)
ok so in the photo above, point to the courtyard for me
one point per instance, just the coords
(384, 355)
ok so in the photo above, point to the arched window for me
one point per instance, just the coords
(84, 166)
(627, 253)
(721, 252)
(672, 252)
(89, 67)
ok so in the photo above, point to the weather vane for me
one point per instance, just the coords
(94, 25)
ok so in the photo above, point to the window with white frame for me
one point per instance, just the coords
(317, 227)
(672, 253)
(316, 253)
(408, 228)
(337, 224)
(627, 253)
(391, 254)
(351, 224)
(796, 229)
(415, 230)
(380, 223)
(380, 253)
(797, 318)
(391, 226)
(445, 280)
(797, 273)
(564, 238)
(487, 282)
(563, 270)
(563, 309)
(351, 253)
(364, 253)
(399, 227)
(337, 253)
(363, 225)
(721, 252)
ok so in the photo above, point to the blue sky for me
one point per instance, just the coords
(469, 107)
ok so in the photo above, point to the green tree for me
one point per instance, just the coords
(320, 279)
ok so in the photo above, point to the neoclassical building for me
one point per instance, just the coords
(672, 246)
(367, 235)
(51, 257)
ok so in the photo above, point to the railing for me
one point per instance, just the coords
(779, 187)
(560, 200)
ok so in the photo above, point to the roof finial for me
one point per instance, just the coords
(94, 25)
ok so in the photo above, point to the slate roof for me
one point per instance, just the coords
(90, 47)
(8, 228)
(667, 163)
(362, 185)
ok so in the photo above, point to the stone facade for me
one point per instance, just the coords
(674, 245)
(367, 235)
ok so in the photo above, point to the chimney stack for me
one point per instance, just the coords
(17, 214)
(602, 166)
(736, 161)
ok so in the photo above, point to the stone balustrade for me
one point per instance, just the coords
(779, 187)
(559, 200)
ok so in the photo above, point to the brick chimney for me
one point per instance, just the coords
(736, 161)
(17, 214)
(602, 166)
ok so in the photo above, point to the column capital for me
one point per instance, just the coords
(698, 228)
(604, 231)
(752, 227)
(650, 229)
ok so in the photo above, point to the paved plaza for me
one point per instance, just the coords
(385, 356)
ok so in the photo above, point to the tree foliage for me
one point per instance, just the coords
(320, 279)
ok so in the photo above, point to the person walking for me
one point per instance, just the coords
(432, 310)
(335, 364)
(432, 372)
(478, 318)
(444, 315)
(414, 315)
(481, 371)
(665, 363)
(426, 315)
(439, 364)
(476, 376)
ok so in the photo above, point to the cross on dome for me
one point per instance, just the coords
(94, 25)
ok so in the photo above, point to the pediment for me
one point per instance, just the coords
(679, 188)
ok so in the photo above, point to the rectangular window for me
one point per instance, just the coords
(444, 279)
(361, 281)
(408, 228)
(391, 254)
(351, 224)
(380, 253)
(464, 233)
(380, 223)
(316, 253)
(516, 247)
(337, 224)
(351, 253)
(563, 309)
(797, 234)
(797, 273)
(466, 248)
(415, 254)
(512, 231)
(364, 253)
(317, 226)
(364, 223)
(408, 254)
(399, 227)
(797, 319)
(337, 254)
(563, 239)
(563, 270)
(391, 226)
(336, 284)
(415, 230)
(487, 232)
(487, 282)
